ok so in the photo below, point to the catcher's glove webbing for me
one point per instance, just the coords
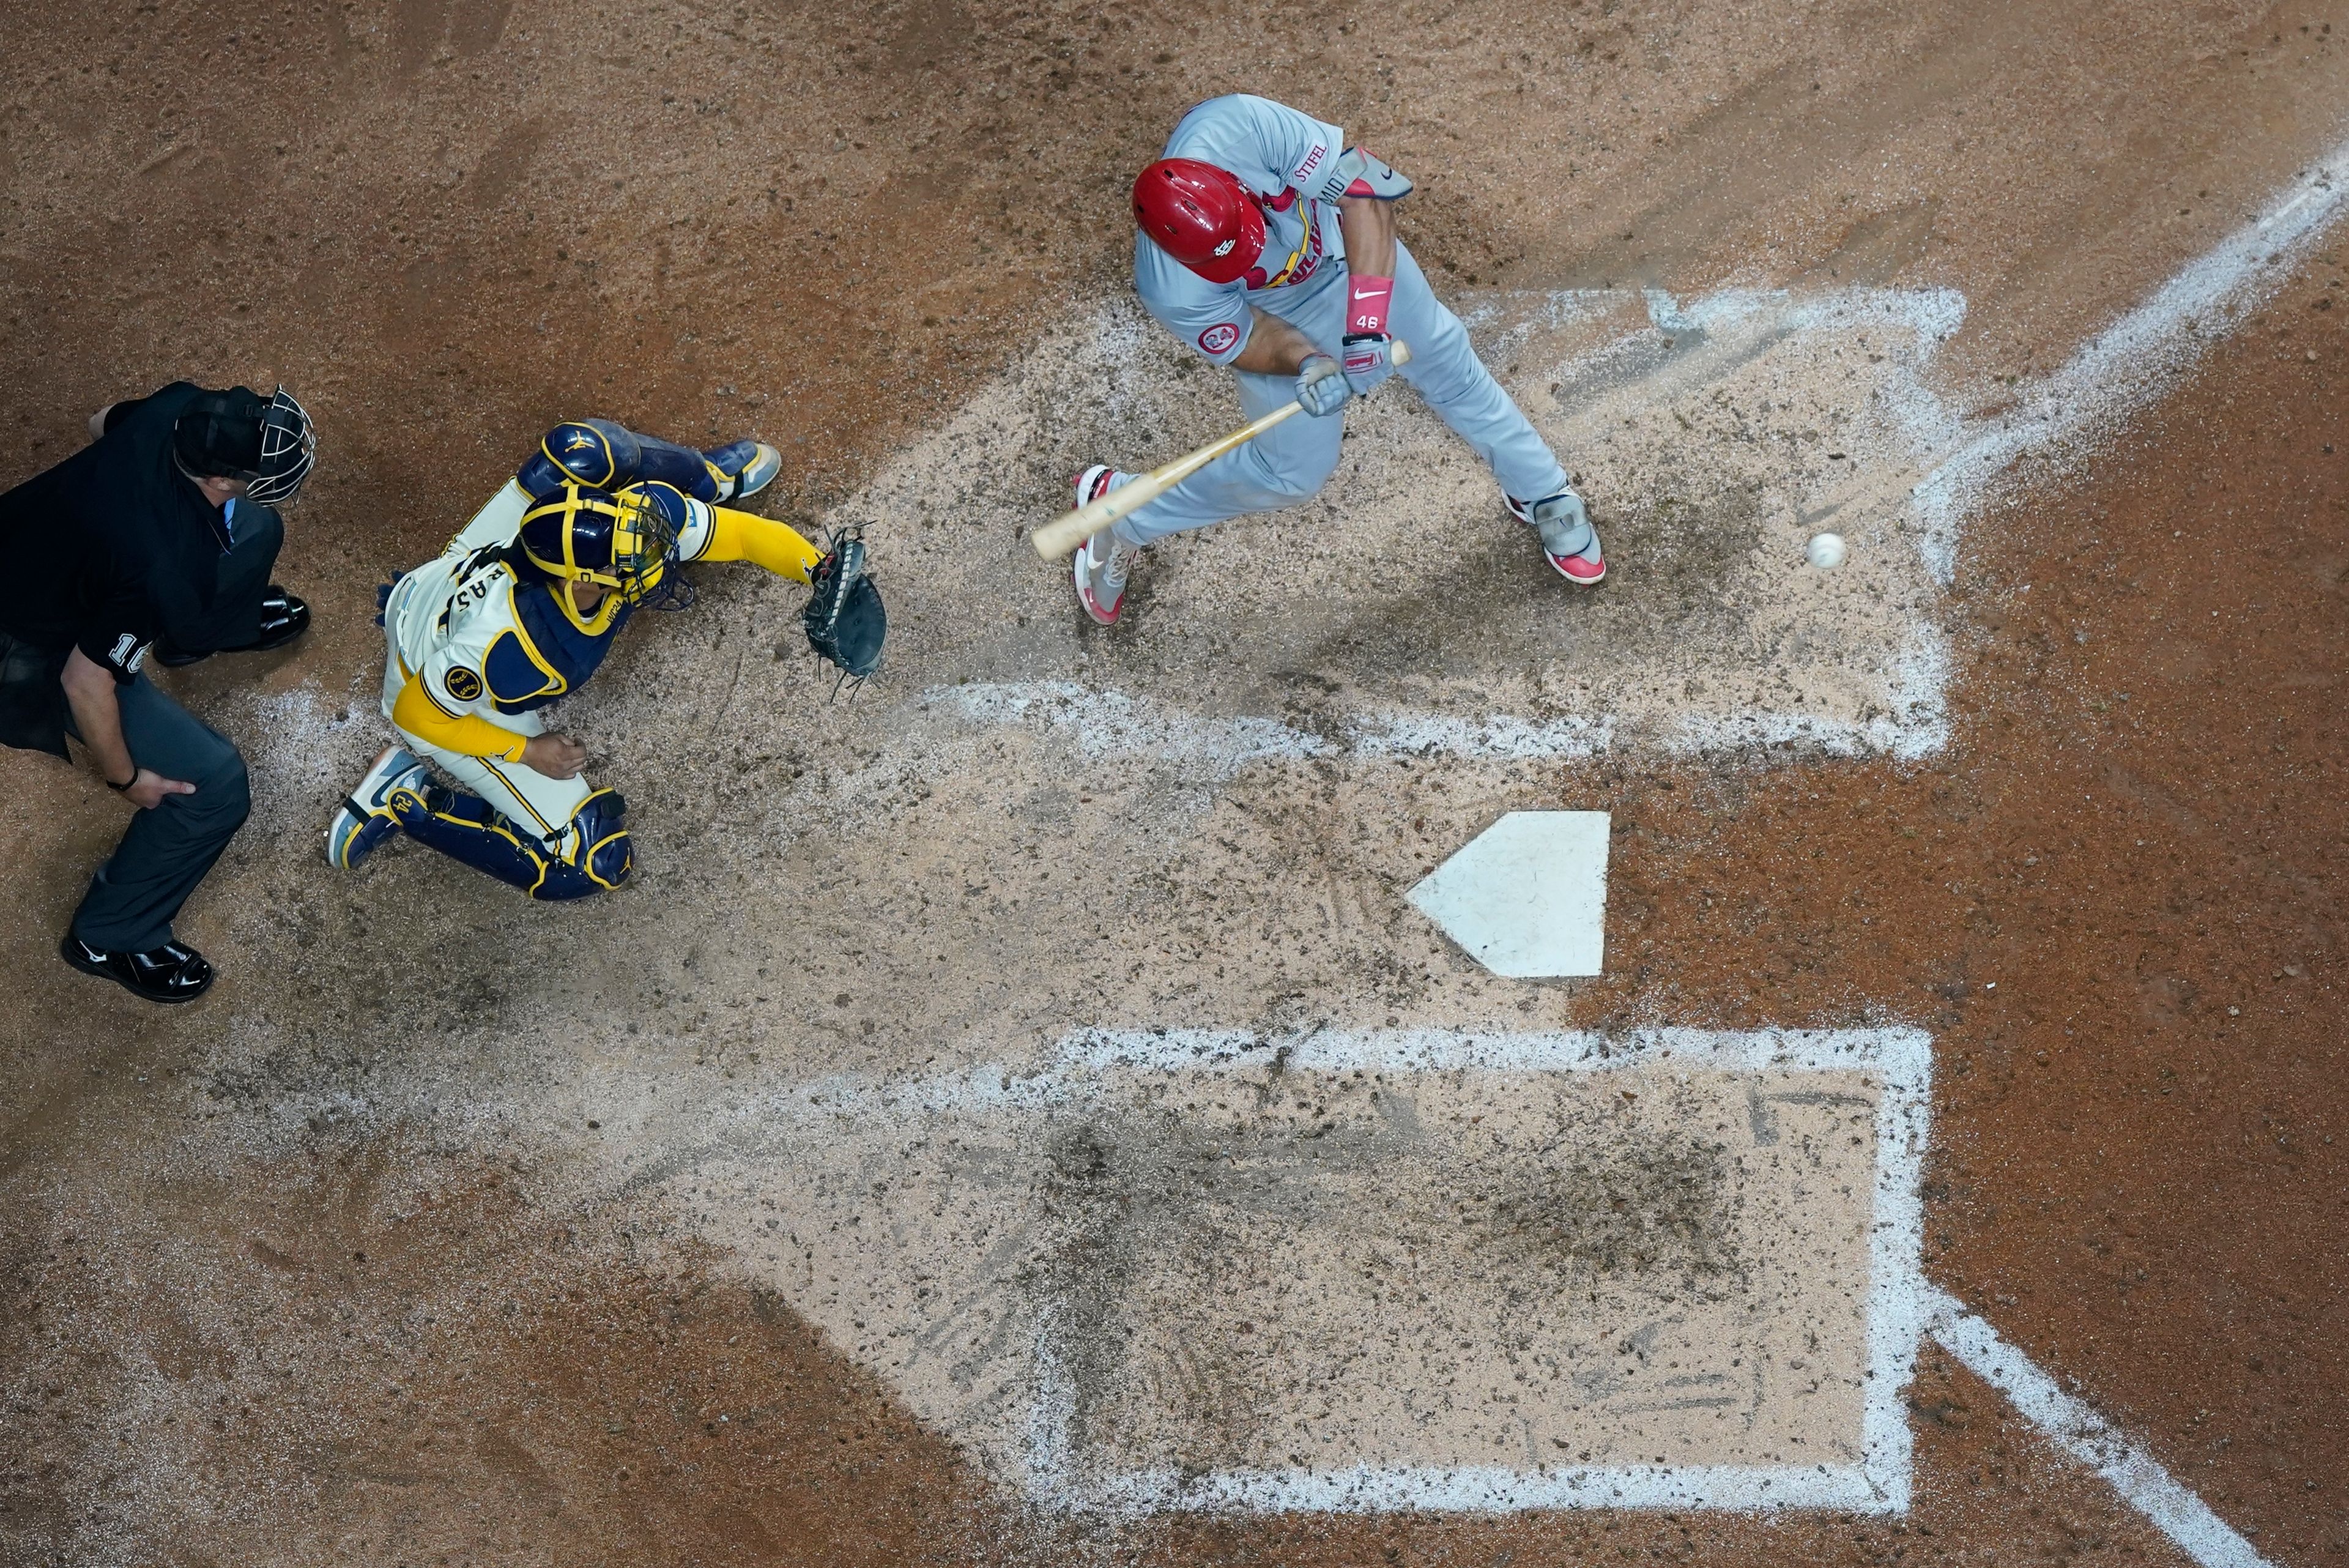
(845, 622)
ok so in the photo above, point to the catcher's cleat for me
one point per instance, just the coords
(1567, 537)
(1100, 564)
(749, 466)
(367, 818)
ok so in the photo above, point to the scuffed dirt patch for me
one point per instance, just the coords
(384, 1351)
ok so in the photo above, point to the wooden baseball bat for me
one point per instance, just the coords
(1071, 529)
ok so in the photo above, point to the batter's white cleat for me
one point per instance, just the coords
(1102, 562)
(1567, 537)
(366, 819)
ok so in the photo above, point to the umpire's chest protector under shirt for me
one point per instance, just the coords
(107, 551)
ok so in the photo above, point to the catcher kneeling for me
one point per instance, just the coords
(521, 609)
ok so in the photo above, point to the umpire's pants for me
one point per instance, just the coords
(168, 848)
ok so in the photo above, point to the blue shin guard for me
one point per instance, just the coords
(591, 855)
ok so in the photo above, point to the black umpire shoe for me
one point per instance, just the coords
(284, 618)
(168, 973)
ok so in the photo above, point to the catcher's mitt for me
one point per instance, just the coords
(845, 622)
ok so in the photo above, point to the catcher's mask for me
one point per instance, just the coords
(623, 542)
(237, 435)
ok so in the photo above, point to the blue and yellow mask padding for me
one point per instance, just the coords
(592, 855)
(623, 542)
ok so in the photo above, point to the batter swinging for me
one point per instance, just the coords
(1269, 245)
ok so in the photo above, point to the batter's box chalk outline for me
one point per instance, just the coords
(1903, 1306)
(1900, 1058)
(2048, 425)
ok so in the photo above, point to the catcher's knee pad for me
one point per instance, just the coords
(582, 451)
(591, 855)
(594, 854)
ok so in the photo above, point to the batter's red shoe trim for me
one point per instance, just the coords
(1569, 542)
(1099, 568)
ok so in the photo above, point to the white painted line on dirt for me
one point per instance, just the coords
(2113, 376)
(2141, 355)
(1493, 1490)
(1106, 723)
(1901, 1058)
(2087, 1436)
(1528, 897)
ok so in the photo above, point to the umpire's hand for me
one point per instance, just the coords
(148, 788)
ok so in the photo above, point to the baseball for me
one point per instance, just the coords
(1825, 551)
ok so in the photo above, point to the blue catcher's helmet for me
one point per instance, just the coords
(625, 543)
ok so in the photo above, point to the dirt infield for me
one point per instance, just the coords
(432, 1235)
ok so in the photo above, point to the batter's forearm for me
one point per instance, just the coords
(1369, 225)
(97, 715)
(1274, 347)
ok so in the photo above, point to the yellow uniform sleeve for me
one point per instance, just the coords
(747, 537)
(466, 734)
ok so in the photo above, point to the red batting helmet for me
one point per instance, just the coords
(1201, 215)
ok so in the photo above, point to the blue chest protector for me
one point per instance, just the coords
(548, 656)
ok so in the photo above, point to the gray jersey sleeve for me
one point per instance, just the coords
(1214, 318)
(1270, 146)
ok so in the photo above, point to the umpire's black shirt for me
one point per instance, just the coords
(107, 552)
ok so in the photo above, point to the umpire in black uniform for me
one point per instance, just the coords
(159, 537)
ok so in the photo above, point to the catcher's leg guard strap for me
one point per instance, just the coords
(593, 854)
(465, 828)
(679, 465)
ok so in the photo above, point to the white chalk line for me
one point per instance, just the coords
(1110, 722)
(1903, 1305)
(2088, 1438)
(1901, 1058)
(2140, 356)
(2112, 376)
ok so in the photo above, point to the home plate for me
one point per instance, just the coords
(1528, 897)
(1403, 1268)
